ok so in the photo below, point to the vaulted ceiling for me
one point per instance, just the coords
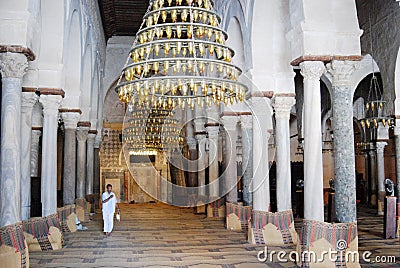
(122, 17)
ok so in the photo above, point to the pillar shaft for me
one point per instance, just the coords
(12, 67)
(69, 172)
(313, 172)
(342, 106)
(282, 106)
(81, 134)
(96, 176)
(29, 99)
(90, 163)
(247, 158)
(380, 153)
(261, 135)
(50, 103)
(201, 163)
(213, 172)
(373, 178)
(397, 149)
(230, 174)
(35, 152)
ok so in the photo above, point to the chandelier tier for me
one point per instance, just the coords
(179, 58)
(152, 131)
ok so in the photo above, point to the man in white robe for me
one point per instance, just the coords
(109, 201)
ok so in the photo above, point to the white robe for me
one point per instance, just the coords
(108, 211)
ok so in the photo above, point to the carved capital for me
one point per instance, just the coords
(213, 132)
(246, 121)
(380, 147)
(192, 143)
(98, 141)
(70, 120)
(312, 70)
(230, 122)
(91, 138)
(13, 65)
(341, 72)
(50, 103)
(82, 134)
(283, 106)
(29, 99)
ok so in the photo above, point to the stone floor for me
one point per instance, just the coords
(155, 235)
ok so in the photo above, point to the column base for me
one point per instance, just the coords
(216, 209)
(67, 217)
(13, 254)
(272, 229)
(43, 234)
(82, 208)
(320, 237)
(237, 216)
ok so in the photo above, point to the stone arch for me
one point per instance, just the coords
(86, 79)
(113, 109)
(397, 84)
(72, 61)
(235, 12)
(236, 41)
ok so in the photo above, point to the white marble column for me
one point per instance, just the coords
(81, 135)
(230, 157)
(71, 120)
(90, 161)
(246, 123)
(36, 133)
(50, 103)
(213, 171)
(261, 136)
(373, 177)
(380, 153)
(313, 172)
(201, 163)
(12, 67)
(397, 149)
(282, 106)
(29, 99)
(342, 107)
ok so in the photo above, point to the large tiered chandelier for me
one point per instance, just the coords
(151, 131)
(179, 59)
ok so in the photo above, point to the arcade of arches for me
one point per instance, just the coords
(309, 161)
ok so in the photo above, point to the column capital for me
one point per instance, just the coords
(312, 70)
(246, 121)
(50, 103)
(341, 71)
(283, 105)
(199, 123)
(82, 134)
(380, 147)
(29, 99)
(212, 132)
(98, 140)
(13, 65)
(70, 119)
(230, 122)
(91, 138)
(192, 143)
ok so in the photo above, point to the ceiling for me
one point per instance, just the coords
(122, 17)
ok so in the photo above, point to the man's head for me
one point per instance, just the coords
(109, 188)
